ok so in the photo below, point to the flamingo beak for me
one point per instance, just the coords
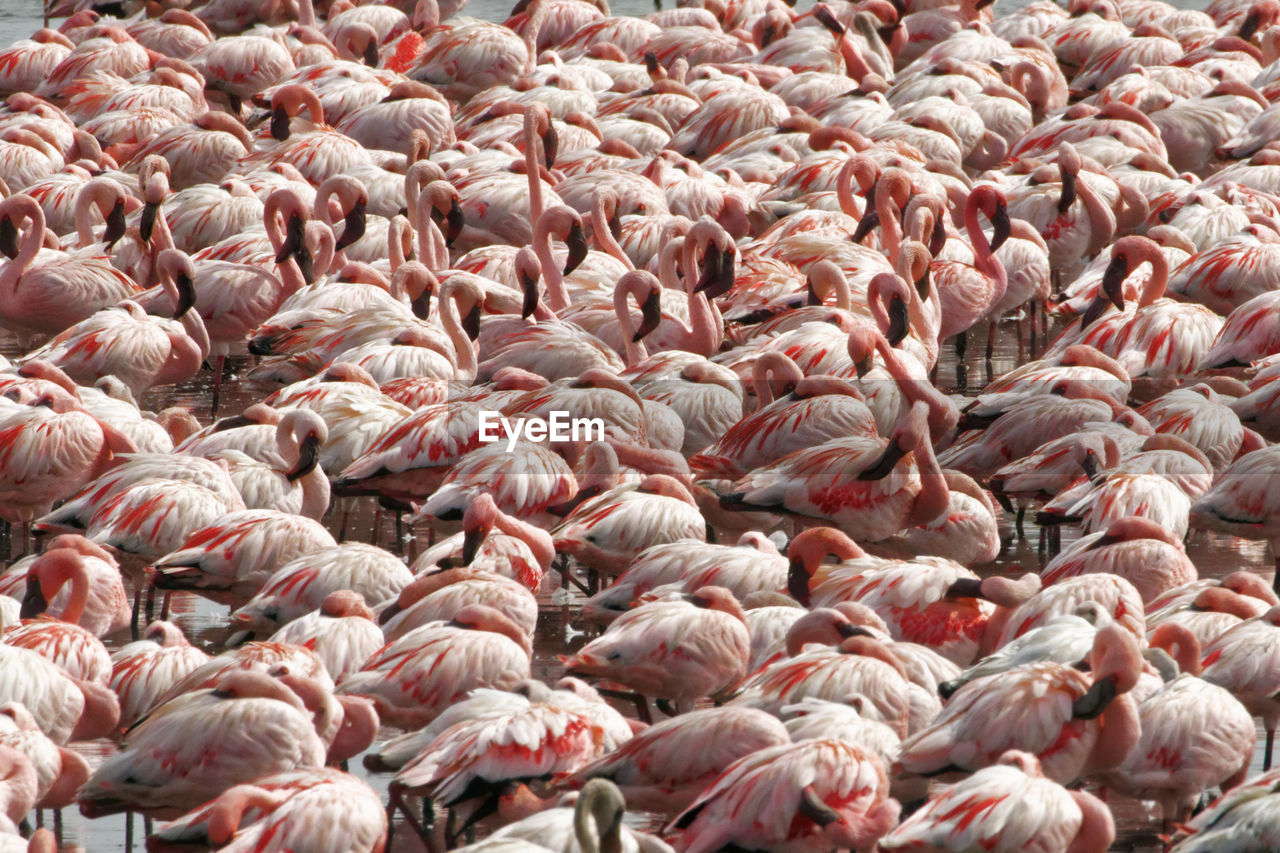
(1095, 700)
(924, 284)
(812, 298)
(883, 467)
(563, 509)
(471, 542)
(1068, 195)
(828, 20)
(650, 315)
(721, 281)
(550, 145)
(292, 239)
(1090, 465)
(710, 269)
(577, 243)
(938, 238)
(355, 225)
(279, 124)
(1000, 226)
(870, 219)
(33, 603)
(421, 307)
(147, 221)
(615, 226)
(371, 54)
(898, 321)
(471, 322)
(454, 221)
(186, 294)
(1249, 27)
(964, 588)
(389, 612)
(982, 4)
(115, 225)
(308, 457)
(864, 366)
(798, 583)
(812, 807)
(8, 237)
(529, 289)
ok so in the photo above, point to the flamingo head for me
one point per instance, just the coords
(528, 272)
(1116, 662)
(477, 522)
(810, 548)
(912, 432)
(894, 294)
(993, 204)
(307, 431)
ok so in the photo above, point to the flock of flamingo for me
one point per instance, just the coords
(736, 235)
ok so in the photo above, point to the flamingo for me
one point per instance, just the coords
(992, 809)
(1185, 713)
(439, 663)
(659, 769)
(79, 653)
(303, 584)
(141, 350)
(1134, 548)
(97, 601)
(1240, 502)
(1144, 341)
(1082, 724)
(1242, 813)
(855, 482)
(44, 295)
(1242, 660)
(437, 596)
(290, 810)
(966, 293)
(59, 771)
(827, 793)
(202, 743)
(66, 708)
(144, 670)
(638, 649)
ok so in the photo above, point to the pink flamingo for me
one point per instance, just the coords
(44, 295)
(816, 409)
(560, 827)
(967, 293)
(1247, 335)
(855, 482)
(666, 766)
(430, 668)
(51, 451)
(1077, 724)
(59, 771)
(234, 556)
(1159, 338)
(66, 708)
(95, 597)
(79, 653)
(992, 809)
(204, 151)
(1116, 597)
(827, 793)
(146, 669)
(435, 595)
(1195, 735)
(1243, 660)
(1136, 549)
(28, 62)
(203, 743)
(1241, 502)
(639, 648)
(303, 584)
(525, 549)
(523, 482)
(752, 565)
(312, 809)
(342, 632)
(141, 350)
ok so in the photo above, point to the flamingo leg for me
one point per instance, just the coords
(1266, 753)
(164, 607)
(128, 831)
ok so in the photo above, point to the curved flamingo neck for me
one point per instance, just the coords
(983, 258)
(27, 208)
(629, 286)
(462, 345)
(66, 567)
(95, 193)
(934, 496)
(531, 146)
(538, 540)
(224, 821)
(706, 328)
(603, 235)
(557, 294)
(1102, 219)
(890, 224)
(1159, 279)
